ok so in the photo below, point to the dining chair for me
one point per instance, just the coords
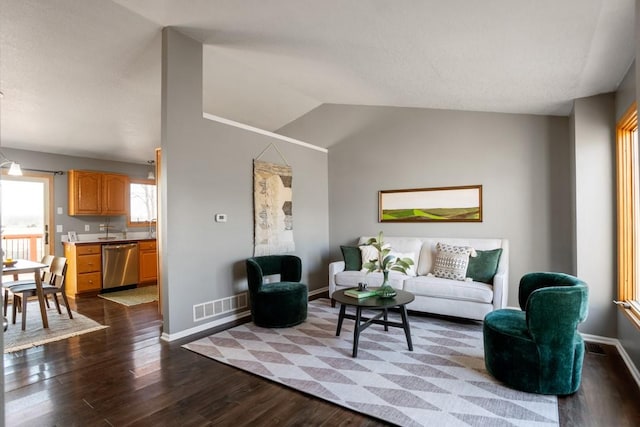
(53, 284)
(47, 259)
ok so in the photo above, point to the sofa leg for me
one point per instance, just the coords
(333, 302)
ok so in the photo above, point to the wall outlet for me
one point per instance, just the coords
(87, 227)
(59, 228)
(59, 210)
(221, 217)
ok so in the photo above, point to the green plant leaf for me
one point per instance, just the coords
(387, 260)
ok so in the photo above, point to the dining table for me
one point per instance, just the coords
(23, 266)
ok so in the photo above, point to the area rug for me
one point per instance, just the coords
(60, 328)
(443, 382)
(141, 295)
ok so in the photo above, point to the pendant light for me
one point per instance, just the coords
(151, 174)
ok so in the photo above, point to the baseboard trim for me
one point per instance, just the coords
(318, 291)
(205, 326)
(633, 370)
(221, 321)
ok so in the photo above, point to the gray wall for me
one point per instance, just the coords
(54, 162)
(629, 90)
(594, 147)
(207, 169)
(626, 93)
(521, 161)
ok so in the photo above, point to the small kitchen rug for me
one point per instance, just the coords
(443, 382)
(141, 295)
(60, 328)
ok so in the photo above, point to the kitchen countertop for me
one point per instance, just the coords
(116, 240)
(84, 239)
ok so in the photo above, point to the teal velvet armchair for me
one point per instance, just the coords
(277, 304)
(539, 349)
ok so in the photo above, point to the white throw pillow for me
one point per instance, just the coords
(368, 253)
(411, 271)
(452, 261)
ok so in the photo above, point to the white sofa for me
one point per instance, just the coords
(467, 299)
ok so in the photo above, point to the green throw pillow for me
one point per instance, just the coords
(352, 258)
(483, 267)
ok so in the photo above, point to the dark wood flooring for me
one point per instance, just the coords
(125, 375)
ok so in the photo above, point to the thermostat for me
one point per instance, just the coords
(221, 217)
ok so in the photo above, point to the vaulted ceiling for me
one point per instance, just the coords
(83, 77)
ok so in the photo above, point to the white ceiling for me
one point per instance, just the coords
(83, 77)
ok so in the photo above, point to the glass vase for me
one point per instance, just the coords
(386, 291)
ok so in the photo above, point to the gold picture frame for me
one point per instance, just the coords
(438, 204)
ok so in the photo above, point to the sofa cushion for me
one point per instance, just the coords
(483, 267)
(352, 278)
(451, 261)
(352, 258)
(431, 286)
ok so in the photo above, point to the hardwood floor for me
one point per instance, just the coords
(124, 375)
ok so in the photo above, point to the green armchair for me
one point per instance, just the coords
(277, 304)
(539, 349)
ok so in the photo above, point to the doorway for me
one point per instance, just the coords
(25, 209)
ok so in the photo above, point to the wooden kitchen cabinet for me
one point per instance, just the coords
(148, 258)
(84, 269)
(97, 193)
(115, 191)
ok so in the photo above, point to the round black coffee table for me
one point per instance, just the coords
(400, 301)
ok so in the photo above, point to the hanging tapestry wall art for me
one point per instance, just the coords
(272, 209)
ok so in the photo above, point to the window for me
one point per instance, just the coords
(142, 202)
(628, 206)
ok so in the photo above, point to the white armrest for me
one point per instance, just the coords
(500, 290)
(501, 279)
(334, 268)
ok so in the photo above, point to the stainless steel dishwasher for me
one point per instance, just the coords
(119, 265)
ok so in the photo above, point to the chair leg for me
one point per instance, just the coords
(6, 301)
(66, 304)
(14, 307)
(24, 311)
(55, 299)
(46, 301)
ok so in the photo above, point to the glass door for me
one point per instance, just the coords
(25, 207)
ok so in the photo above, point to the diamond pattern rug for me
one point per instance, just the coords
(442, 382)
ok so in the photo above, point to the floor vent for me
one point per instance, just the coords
(214, 308)
(595, 348)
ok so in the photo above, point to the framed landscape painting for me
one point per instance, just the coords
(441, 204)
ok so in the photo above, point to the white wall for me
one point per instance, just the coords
(207, 169)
